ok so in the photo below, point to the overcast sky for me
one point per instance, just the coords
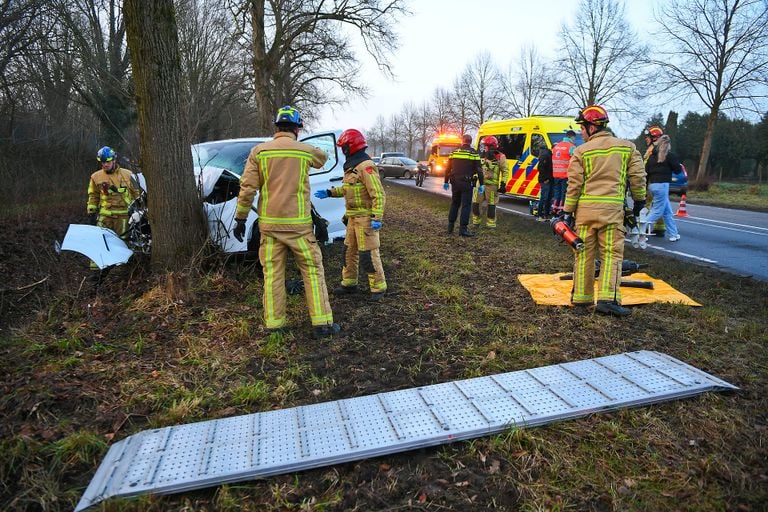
(442, 36)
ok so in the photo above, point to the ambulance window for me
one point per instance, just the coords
(434, 150)
(554, 138)
(512, 145)
(447, 150)
(538, 142)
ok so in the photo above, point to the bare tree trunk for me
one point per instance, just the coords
(706, 147)
(263, 69)
(176, 216)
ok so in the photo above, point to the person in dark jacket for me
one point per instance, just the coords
(545, 184)
(660, 163)
(463, 165)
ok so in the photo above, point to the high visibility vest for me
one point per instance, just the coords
(561, 157)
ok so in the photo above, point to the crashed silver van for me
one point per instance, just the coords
(218, 166)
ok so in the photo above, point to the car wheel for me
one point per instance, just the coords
(407, 175)
(381, 175)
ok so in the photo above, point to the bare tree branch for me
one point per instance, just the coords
(717, 51)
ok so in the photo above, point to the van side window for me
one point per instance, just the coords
(538, 142)
(326, 142)
(512, 145)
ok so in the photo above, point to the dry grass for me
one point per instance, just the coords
(92, 368)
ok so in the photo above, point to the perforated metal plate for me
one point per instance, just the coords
(185, 457)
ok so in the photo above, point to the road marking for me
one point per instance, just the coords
(730, 229)
(522, 214)
(679, 253)
(723, 222)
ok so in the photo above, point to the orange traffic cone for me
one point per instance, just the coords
(681, 211)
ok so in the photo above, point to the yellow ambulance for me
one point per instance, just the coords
(441, 148)
(520, 140)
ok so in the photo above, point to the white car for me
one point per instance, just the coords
(219, 166)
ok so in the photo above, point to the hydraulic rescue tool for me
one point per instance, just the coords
(628, 267)
(563, 230)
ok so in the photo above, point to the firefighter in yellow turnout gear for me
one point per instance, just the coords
(110, 191)
(496, 177)
(597, 178)
(364, 197)
(279, 171)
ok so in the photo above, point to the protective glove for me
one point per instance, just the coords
(639, 205)
(445, 186)
(502, 189)
(322, 194)
(93, 218)
(481, 189)
(239, 231)
(375, 225)
(569, 219)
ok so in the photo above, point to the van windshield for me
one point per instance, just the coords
(554, 138)
(446, 150)
(229, 155)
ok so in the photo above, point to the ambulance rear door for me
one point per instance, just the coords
(520, 162)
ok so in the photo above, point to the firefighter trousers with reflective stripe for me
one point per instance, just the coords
(609, 240)
(273, 254)
(362, 249)
(489, 198)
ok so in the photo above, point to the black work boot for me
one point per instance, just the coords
(344, 290)
(326, 331)
(450, 228)
(465, 231)
(582, 309)
(376, 296)
(609, 307)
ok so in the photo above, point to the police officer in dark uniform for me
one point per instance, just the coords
(463, 165)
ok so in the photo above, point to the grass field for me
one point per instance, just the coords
(733, 195)
(82, 368)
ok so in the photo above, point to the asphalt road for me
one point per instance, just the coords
(734, 241)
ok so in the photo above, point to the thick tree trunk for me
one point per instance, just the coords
(263, 89)
(706, 147)
(176, 214)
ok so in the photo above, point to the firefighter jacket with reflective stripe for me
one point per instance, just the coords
(597, 179)
(463, 165)
(561, 157)
(110, 193)
(279, 171)
(361, 189)
(495, 169)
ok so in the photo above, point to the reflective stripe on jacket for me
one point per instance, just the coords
(561, 157)
(463, 164)
(362, 191)
(597, 178)
(495, 170)
(110, 193)
(279, 171)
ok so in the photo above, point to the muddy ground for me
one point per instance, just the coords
(84, 367)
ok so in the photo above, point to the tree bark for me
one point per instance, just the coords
(176, 215)
(706, 146)
(263, 69)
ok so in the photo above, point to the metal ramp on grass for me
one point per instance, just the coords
(197, 455)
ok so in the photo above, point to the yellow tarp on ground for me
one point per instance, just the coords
(550, 290)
